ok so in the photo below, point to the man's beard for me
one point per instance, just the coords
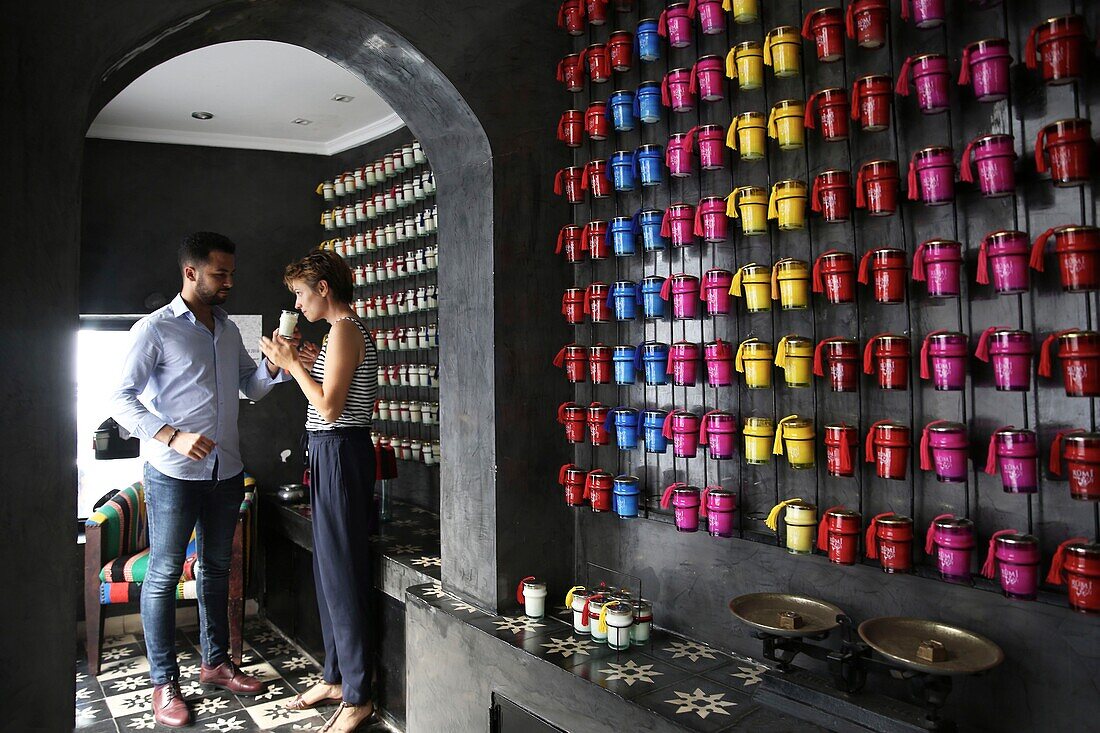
(210, 297)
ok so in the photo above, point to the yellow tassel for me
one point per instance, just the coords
(772, 522)
(731, 65)
(735, 286)
(731, 135)
(781, 353)
(773, 211)
(768, 47)
(777, 446)
(739, 359)
(569, 595)
(602, 625)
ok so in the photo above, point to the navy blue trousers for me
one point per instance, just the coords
(341, 487)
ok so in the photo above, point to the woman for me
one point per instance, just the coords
(341, 384)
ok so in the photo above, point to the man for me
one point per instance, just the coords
(188, 361)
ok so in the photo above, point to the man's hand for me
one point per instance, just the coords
(195, 446)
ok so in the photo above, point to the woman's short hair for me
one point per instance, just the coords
(323, 265)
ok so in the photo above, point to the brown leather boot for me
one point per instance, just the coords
(168, 706)
(228, 677)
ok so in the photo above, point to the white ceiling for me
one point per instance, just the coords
(254, 89)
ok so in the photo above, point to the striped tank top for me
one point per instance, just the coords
(362, 392)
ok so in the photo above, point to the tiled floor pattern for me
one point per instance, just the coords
(118, 699)
(693, 685)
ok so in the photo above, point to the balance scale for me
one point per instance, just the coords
(927, 655)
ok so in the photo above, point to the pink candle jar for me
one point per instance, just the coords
(1006, 253)
(886, 355)
(1079, 353)
(712, 18)
(1010, 351)
(951, 538)
(682, 428)
(831, 107)
(931, 77)
(683, 363)
(887, 446)
(1061, 46)
(985, 66)
(1078, 250)
(831, 195)
(676, 91)
(718, 507)
(838, 356)
(716, 290)
(683, 290)
(597, 419)
(871, 101)
(834, 275)
(924, 13)
(1016, 452)
(885, 269)
(877, 185)
(574, 359)
(711, 143)
(677, 225)
(1064, 148)
(841, 441)
(943, 446)
(678, 155)
(1014, 559)
(932, 176)
(994, 156)
(572, 418)
(708, 79)
(685, 505)
(868, 21)
(674, 23)
(937, 263)
(943, 358)
(718, 355)
(717, 432)
(710, 219)
(825, 27)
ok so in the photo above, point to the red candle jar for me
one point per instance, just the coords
(1010, 351)
(596, 122)
(570, 127)
(887, 446)
(1006, 253)
(572, 305)
(718, 355)
(575, 360)
(599, 364)
(597, 416)
(831, 107)
(1064, 148)
(1078, 250)
(1060, 45)
(1079, 353)
(571, 17)
(598, 60)
(937, 263)
(985, 65)
(877, 186)
(834, 275)
(597, 11)
(683, 363)
(598, 487)
(886, 269)
(595, 179)
(890, 539)
(840, 356)
(620, 47)
(1081, 459)
(831, 195)
(995, 158)
(571, 479)
(715, 291)
(841, 441)
(1077, 563)
(838, 535)
(571, 72)
(568, 181)
(594, 239)
(887, 355)
(825, 27)
(572, 416)
(569, 240)
(871, 96)
(931, 77)
(868, 21)
(676, 91)
(932, 176)
(708, 79)
(595, 302)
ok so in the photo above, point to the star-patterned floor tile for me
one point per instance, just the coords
(227, 724)
(130, 683)
(427, 561)
(130, 703)
(629, 675)
(91, 713)
(278, 689)
(689, 655)
(215, 704)
(119, 640)
(742, 674)
(272, 714)
(123, 668)
(88, 690)
(519, 630)
(566, 649)
(141, 721)
(699, 704)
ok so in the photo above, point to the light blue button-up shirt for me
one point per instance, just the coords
(178, 373)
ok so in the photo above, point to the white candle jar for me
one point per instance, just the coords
(409, 191)
(380, 341)
(359, 278)
(422, 339)
(643, 619)
(399, 196)
(360, 179)
(417, 450)
(370, 174)
(338, 186)
(383, 410)
(392, 342)
(414, 377)
(389, 202)
(369, 209)
(360, 307)
(429, 182)
(402, 303)
(328, 220)
(398, 161)
(387, 166)
(361, 212)
(407, 157)
(415, 412)
(371, 311)
(350, 215)
(429, 456)
(328, 191)
(595, 608)
(403, 411)
(418, 152)
(533, 592)
(616, 619)
(410, 226)
(430, 257)
(418, 190)
(399, 231)
(435, 451)
(432, 377)
(575, 599)
(391, 235)
(383, 377)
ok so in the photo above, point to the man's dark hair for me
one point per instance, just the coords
(196, 248)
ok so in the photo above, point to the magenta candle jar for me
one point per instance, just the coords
(931, 77)
(943, 446)
(719, 359)
(712, 18)
(710, 219)
(1064, 148)
(676, 91)
(674, 23)
(841, 355)
(1006, 253)
(718, 433)
(831, 195)
(683, 291)
(1016, 453)
(994, 158)
(985, 66)
(711, 142)
(1010, 352)
(683, 363)
(677, 225)
(943, 357)
(952, 539)
(1014, 559)
(682, 428)
(678, 155)
(685, 505)
(719, 507)
(924, 13)
(708, 79)
(937, 263)
(871, 101)
(716, 290)
(932, 176)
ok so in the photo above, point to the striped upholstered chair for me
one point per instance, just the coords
(116, 557)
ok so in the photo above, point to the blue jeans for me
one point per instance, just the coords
(175, 507)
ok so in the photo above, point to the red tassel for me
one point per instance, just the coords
(819, 366)
(585, 175)
(861, 200)
(662, 24)
(823, 529)
(868, 355)
(561, 472)
(666, 426)
(588, 300)
(561, 411)
(1055, 462)
(519, 588)
(668, 493)
(669, 368)
(561, 236)
(1029, 49)
(902, 87)
(930, 535)
(905, 9)
(818, 282)
(964, 69)
(666, 225)
(983, 262)
(850, 21)
(865, 267)
(1040, 159)
(925, 451)
(925, 371)
(1037, 248)
(664, 91)
(557, 182)
(845, 462)
(982, 352)
(559, 359)
(855, 92)
(698, 229)
(703, 502)
(815, 192)
(914, 188)
(918, 263)
(966, 174)
(693, 82)
(869, 540)
(808, 117)
(1054, 577)
(869, 443)
(666, 288)
(991, 454)
(1046, 367)
(989, 567)
(561, 71)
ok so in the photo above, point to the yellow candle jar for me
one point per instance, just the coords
(787, 205)
(747, 135)
(753, 282)
(786, 126)
(801, 520)
(750, 205)
(794, 436)
(759, 433)
(754, 360)
(783, 51)
(744, 11)
(791, 283)
(795, 356)
(745, 63)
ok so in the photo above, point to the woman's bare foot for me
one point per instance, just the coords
(348, 718)
(321, 692)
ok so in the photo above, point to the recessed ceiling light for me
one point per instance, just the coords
(203, 115)
(300, 121)
(342, 98)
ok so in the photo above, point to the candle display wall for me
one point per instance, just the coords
(794, 159)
